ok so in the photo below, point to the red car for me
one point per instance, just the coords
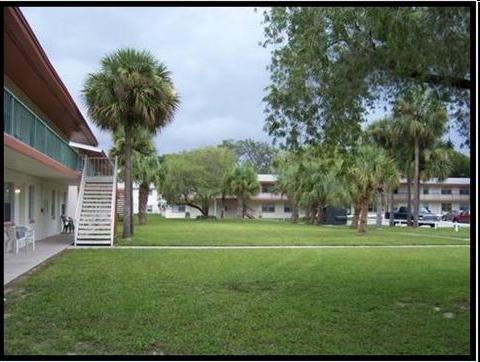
(462, 216)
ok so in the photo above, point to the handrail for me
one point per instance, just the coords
(100, 166)
(80, 199)
(114, 202)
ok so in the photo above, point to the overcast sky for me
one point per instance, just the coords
(216, 64)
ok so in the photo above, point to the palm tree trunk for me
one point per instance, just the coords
(320, 215)
(409, 200)
(239, 208)
(362, 225)
(378, 195)
(391, 207)
(356, 216)
(128, 212)
(143, 190)
(416, 183)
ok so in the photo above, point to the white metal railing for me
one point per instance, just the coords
(114, 201)
(100, 166)
(80, 200)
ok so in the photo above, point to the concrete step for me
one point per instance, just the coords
(94, 236)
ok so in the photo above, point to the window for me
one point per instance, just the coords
(464, 191)
(8, 201)
(31, 202)
(425, 190)
(464, 207)
(287, 208)
(267, 189)
(268, 207)
(178, 208)
(64, 204)
(446, 191)
(446, 207)
(52, 204)
(149, 208)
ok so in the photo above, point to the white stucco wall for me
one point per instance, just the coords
(42, 222)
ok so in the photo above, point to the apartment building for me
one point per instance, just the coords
(438, 196)
(45, 135)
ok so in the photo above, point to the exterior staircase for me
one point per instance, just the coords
(96, 204)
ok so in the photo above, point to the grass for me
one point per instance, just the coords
(351, 301)
(160, 231)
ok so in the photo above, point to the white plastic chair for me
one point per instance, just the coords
(25, 238)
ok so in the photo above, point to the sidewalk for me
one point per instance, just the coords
(15, 265)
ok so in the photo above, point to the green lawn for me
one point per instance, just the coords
(349, 301)
(160, 231)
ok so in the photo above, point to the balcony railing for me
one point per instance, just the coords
(27, 127)
(434, 197)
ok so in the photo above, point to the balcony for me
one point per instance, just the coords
(455, 196)
(28, 128)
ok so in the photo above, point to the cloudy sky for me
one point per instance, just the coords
(216, 64)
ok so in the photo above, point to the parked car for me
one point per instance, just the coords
(462, 216)
(449, 215)
(425, 217)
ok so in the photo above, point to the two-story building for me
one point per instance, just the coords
(438, 196)
(266, 204)
(45, 135)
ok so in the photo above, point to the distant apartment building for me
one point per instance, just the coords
(438, 196)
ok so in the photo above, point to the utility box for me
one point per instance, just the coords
(334, 216)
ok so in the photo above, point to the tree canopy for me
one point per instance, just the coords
(195, 177)
(331, 64)
(258, 154)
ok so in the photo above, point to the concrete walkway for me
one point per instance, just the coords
(14, 265)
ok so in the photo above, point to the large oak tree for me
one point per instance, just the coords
(331, 64)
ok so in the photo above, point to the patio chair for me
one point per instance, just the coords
(25, 237)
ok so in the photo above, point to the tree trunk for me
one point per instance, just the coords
(128, 212)
(416, 183)
(239, 208)
(391, 207)
(313, 214)
(379, 209)
(409, 200)
(143, 190)
(356, 216)
(319, 220)
(362, 225)
(294, 213)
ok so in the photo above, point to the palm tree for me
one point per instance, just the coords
(370, 169)
(391, 138)
(132, 89)
(145, 164)
(242, 182)
(423, 118)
